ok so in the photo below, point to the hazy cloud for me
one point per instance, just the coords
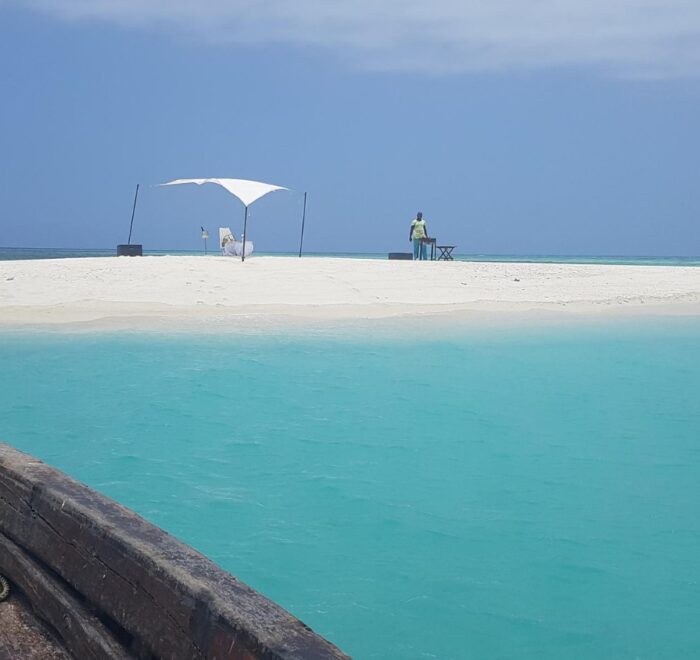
(634, 38)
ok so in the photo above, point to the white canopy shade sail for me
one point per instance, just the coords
(246, 191)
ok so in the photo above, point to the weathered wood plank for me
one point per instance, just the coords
(80, 631)
(168, 597)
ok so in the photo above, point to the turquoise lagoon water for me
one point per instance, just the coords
(9, 254)
(528, 495)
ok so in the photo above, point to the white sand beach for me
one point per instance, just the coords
(214, 292)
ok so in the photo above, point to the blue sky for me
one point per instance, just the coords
(573, 129)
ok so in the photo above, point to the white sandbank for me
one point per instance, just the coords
(220, 292)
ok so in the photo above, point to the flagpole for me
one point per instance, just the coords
(133, 211)
(303, 220)
(245, 225)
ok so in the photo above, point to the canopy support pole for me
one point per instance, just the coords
(245, 229)
(303, 219)
(133, 211)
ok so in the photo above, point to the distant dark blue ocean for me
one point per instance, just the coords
(529, 494)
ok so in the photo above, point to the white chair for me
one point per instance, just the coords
(230, 247)
(226, 239)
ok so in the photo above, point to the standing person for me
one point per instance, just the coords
(419, 231)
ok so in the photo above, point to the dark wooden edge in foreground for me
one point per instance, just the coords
(107, 584)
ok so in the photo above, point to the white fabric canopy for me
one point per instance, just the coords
(246, 191)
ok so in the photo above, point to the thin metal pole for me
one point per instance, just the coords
(303, 220)
(245, 226)
(205, 246)
(131, 226)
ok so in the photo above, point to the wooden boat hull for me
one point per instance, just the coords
(104, 583)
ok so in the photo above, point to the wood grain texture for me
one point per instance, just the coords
(150, 594)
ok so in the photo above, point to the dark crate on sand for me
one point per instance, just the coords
(133, 250)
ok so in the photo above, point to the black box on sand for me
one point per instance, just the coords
(404, 256)
(133, 250)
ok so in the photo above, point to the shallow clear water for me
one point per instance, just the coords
(10, 254)
(530, 495)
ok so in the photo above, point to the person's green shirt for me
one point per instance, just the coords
(418, 228)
